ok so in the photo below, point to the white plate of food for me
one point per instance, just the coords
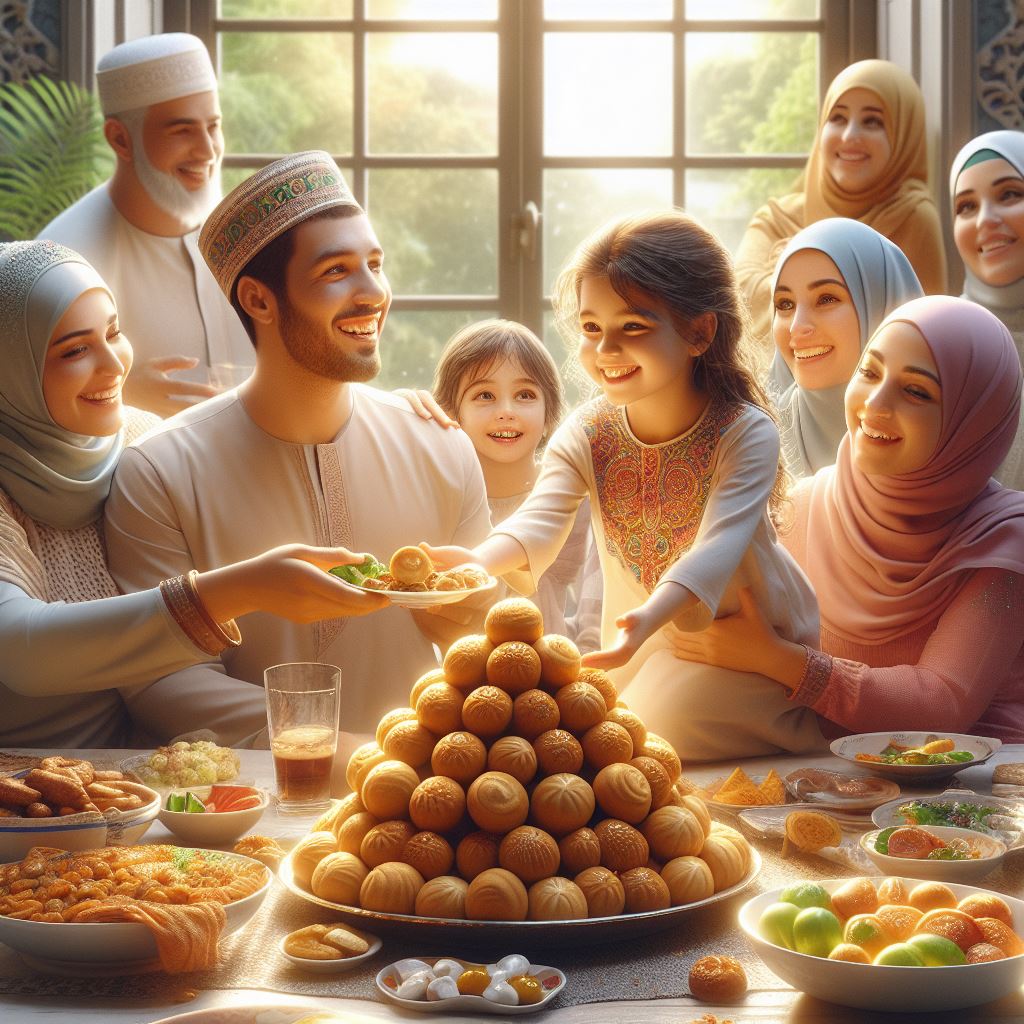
(338, 939)
(958, 808)
(504, 992)
(267, 1013)
(914, 755)
(434, 598)
(836, 791)
(767, 788)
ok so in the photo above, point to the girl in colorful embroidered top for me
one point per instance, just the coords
(499, 382)
(681, 463)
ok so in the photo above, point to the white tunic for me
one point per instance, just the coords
(210, 487)
(692, 510)
(168, 301)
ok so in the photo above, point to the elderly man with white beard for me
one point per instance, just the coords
(140, 229)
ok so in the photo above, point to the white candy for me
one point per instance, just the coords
(415, 986)
(443, 988)
(501, 992)
(448, 969)
(496, 973)
(513, 964)
(407, 968)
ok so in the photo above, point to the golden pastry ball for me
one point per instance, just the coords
(717, 979)
(514, 756)
(657, 778)
(387, 789)
(579, 850)
(688, 879)
(673, 832)
(663, 751)
(352, 831)
(429, 853)
(437, 804)
(435, 675)
(529, 853)
(409, 742)
(559, 660)
(558, 750)
(385, 842)
(477, 852)
(645, 890)
(631, 722)
(497, 802)
(602, 890)
(579, 707)
(308, 852)
(606, 743)
(337, 813)
(391, 719)
(534, 712)
(444, 896)
(487, 711)
(602, 682)
(514, 666)
(556, 899)
(514, 619)
(362, 759)
(496, 895)
(725, 858)
(622, 846)
(699, 809)
(460, 755)
(410, 565)
(465, 664)
(562, 803)
(439, 708)
(391, 889)
(338, 878)
(623, 792)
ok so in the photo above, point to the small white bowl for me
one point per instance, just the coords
(870, 987)
(85, 831)
(981, 749)
(211, 828)
(335, 966)
(992, 852)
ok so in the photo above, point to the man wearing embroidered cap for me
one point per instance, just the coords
(140, 228)
(303, 449)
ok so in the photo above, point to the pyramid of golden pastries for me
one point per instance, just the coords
(516, 785)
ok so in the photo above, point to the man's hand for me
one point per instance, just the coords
(149, 386)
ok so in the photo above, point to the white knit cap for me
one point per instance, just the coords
(151, 70)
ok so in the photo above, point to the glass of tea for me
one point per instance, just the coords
(302, 716)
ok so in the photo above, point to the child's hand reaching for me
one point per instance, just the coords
(448, 556)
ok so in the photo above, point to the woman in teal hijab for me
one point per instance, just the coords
(834, 284)
(76, 657)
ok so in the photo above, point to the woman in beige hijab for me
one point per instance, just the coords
(869, 163)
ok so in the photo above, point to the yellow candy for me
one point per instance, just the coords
(528, 988)
(474, 981)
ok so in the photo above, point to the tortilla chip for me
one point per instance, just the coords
(772, 789)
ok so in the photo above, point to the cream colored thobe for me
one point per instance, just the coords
(209, 487)
(168, 301)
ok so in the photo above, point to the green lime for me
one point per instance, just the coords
(193, 805)
(900, 954)
(936, 950)
(816, 931)
(806, 894)
(776, 924)
(175, 801)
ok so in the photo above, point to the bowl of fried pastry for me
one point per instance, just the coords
(70, 804)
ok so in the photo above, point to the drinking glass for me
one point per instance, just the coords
(302, 717)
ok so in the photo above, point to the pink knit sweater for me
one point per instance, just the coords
(961, 672)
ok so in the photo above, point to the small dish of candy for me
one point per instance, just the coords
(510, 986)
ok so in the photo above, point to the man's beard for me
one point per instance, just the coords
(190, 207)
(319, 352)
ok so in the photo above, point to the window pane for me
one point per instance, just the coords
(577, 202)
(725, 200)
(607, 10)
(751, 92)
(286, 8)
(750, 10)
(433, 92)
(274, 91)
(412, 342)
(433, 10)
(587, 106)
(439, 229)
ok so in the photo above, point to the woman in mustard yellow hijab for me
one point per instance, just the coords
(869, 163)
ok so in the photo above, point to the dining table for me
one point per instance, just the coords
(639, 979)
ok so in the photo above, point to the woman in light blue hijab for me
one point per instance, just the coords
(834, 284)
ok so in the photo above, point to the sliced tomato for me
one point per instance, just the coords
(232, 798)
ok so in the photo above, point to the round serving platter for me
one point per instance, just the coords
(516, 934)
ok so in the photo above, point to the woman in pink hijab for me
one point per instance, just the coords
(916, 554)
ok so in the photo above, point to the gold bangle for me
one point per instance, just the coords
(176, 597)
(226, 632)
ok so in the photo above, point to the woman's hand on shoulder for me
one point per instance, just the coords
(423, 403)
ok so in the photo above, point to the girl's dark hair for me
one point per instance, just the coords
(480, 346)
(670, 258)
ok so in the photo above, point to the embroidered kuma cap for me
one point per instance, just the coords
(277, 197)
(151, 70)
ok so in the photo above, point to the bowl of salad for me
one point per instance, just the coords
(903, 756)
(934, 852)
(958, 808)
